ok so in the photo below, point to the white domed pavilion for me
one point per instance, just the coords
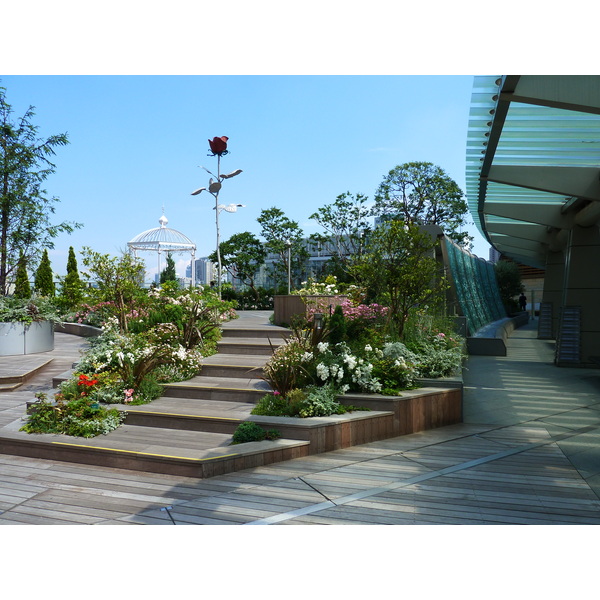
(162, 239)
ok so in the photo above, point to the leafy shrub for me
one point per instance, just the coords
(321, 402)
(273, 405)
(81, 417)
(285, 370)
(251, 432)
(437, 362)
(337, 325)
(27, 310)
(248, 299)
(313, 401)
(276, 405)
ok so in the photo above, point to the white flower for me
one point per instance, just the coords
(306, 357)
(322, 346)
(350, 361)
(322, 371)
(368, 348)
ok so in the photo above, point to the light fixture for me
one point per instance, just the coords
(318, 321)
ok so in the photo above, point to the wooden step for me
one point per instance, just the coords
(156, 450)
(274, 333)
(219, 388)
(16, 370)
(252, 346)
(231, 371)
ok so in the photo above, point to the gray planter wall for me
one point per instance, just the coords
(20, 338)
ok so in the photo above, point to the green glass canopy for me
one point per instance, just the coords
(533, 160)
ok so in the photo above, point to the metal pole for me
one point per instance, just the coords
(217, 221)
(289, 245)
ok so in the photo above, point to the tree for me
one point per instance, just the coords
(44, 278)
(117, 279)
(22, 287)
(169, 273)
(347, 223)
(283, 238)
(242, 255)
(509, 284)
(400, 270)
(24, 206)
(422, 193)
(71, 292)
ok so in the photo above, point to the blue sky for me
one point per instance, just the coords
(137, 143)
(317, 99)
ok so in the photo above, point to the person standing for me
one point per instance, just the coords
(522, 301)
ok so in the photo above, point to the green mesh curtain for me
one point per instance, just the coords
(476, 287)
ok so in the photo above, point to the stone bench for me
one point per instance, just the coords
(491, 339)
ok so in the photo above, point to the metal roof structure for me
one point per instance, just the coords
(162, 239)
(533, 161)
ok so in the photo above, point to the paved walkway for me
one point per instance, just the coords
(528, 452)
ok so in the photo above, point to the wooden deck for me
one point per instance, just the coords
(526, 453)
(455, 475)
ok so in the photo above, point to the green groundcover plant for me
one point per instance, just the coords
(80, 417)
(251, 432)
(28, 311)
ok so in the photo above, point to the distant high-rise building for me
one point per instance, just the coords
(205, 271)
(494, 255)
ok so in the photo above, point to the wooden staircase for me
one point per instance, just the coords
(188, 430)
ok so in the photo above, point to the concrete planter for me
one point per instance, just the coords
(78, 329)
(286, 307)
(22, 338)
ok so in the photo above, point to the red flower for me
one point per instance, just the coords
(218, 145)
(85, 380)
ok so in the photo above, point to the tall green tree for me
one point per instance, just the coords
(422, 193)
(25, 207)
(400, 270)
(71, 291)
(22, 287)
(44, 278)
(284, 238)
(242, 255)
(169, 273)
(347, 222)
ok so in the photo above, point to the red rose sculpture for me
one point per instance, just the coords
(218, 145)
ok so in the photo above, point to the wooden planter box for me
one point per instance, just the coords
(287, 307)
(22, 338)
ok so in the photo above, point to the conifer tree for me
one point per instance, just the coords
(22, 287)
(44, 278)
(169, 273)
(71, 292)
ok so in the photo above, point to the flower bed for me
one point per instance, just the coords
(160, 339)
(354, 350)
